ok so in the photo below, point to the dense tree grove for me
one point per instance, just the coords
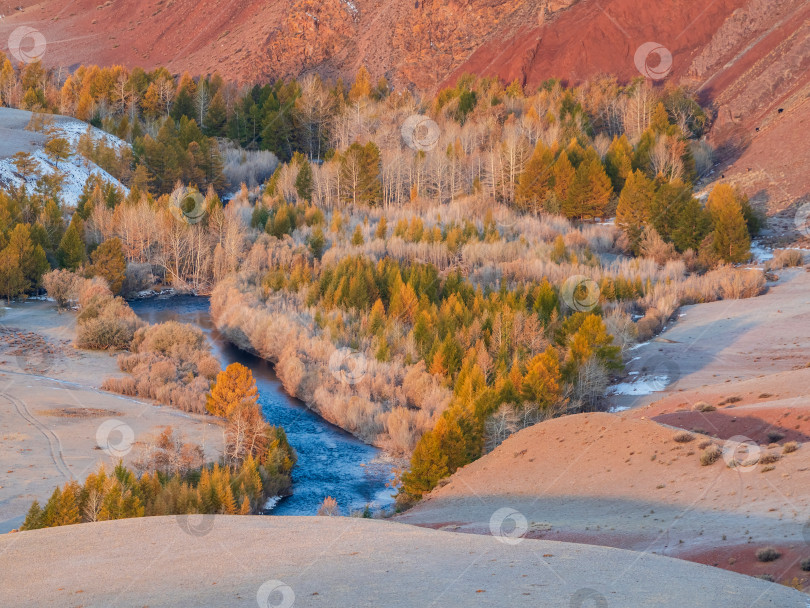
(431, 291)
(238, 489)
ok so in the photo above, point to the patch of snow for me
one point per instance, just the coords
(639, 345)
(76, 169)
(645, 385)
(271, 503)
(760, 252)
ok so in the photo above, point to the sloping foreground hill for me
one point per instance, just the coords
(321, 561)
(610, 479)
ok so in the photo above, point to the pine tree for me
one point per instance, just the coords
(317, 242)
(731, 242)
(12, 280)
(693, 224)
(670, 198)
(633, 210)
(564, 174)
(109, 262)
(34, 520)
(216, 117)
(303, 181)
(71, 248)
(619, 161)
(382, 229)
(184, 100)
(590, 191)
(233, 388)
(437, 454)
(534, 182)
(543, 382)
(362, 85)
(357, 237)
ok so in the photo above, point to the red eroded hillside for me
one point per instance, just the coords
(748, 58)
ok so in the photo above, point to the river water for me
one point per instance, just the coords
(331, 462)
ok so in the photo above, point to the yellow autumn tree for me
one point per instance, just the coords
(362, 85)
(234, 388)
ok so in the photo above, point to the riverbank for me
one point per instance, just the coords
(331, 462)
(56, 423)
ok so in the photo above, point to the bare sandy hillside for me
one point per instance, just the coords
(608, 479)
(733, 373)
(55, 424)
(321, 561)
(710, 349)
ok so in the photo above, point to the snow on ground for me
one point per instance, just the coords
(644, 385)
(760, 253)
(76, 169)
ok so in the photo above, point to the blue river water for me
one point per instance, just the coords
(331, 462)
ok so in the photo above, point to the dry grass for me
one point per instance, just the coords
(785, 258)
(710, 455)
(683, 437)
(768, 554)
(790, 446)
(170, 363)
(769, 458)
(104, 322)
(79, 412)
